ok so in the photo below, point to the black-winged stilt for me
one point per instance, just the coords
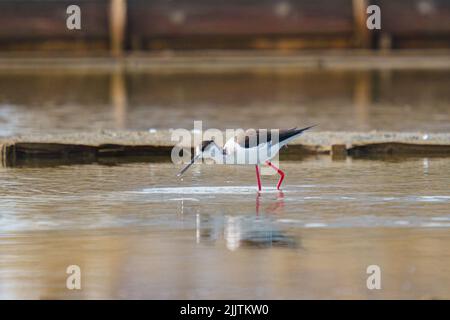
(252, 147)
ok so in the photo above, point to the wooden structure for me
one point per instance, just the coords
(129, 146)
(129, 25)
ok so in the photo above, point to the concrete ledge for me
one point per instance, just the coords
(106, 146)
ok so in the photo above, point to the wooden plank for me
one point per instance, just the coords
(118, 21)
(362, 34)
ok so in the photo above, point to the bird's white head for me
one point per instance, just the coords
(208, 149)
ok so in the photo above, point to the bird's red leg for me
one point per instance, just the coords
(258, 178)
(281, 173)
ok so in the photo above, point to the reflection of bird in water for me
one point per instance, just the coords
(256, 232)
(276, 207)
(245, 230)
(252, 147)
(242, 231)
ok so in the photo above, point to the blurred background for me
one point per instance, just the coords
(138, 65)
(140, 25)
(138, 231)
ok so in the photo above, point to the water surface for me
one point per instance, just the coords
(137, 231)
(336, 100)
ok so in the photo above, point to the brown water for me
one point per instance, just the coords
(137, 231)
(336, 100)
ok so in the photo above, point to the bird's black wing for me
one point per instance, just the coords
(253, 137)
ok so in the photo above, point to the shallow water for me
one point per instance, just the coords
(336, 100)
(137, 231)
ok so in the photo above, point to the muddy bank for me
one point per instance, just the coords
(157, 146)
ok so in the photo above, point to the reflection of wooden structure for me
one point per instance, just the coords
(119, 99)
(119, 25)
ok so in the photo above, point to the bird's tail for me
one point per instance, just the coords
(291, 134)
(304, 129)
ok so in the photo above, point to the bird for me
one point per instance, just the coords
(250, 147)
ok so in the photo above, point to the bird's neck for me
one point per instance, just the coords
(218, 156)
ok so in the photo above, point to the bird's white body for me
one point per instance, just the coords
(233, 153)
(252, 147)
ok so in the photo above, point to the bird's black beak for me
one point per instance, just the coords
(194, 158)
